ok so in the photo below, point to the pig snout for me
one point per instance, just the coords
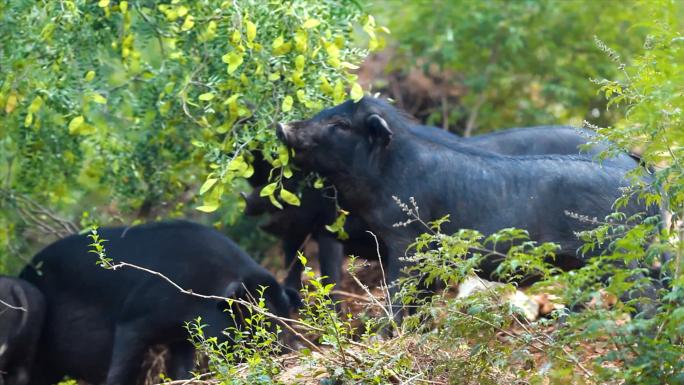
(282, 132)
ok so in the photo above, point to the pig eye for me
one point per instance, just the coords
(339, 126)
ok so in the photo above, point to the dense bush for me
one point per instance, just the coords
(129, 105)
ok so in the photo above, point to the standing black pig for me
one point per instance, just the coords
(100, 323)
(370, 152)
(21, 318)
(293, 224)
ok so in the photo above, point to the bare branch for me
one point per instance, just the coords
(20, 308)
(281, 320)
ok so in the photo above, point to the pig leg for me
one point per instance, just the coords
(127, 354)
(182, 360)
(294, 267)
(330, 255)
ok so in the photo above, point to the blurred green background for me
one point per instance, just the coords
(478, 66)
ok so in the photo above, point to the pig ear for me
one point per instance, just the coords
(379, 129)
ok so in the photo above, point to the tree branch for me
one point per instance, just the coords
(20, 308)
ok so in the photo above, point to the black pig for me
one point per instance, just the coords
(293, 224)
(370, 152)
(100, 322)
(21, 318)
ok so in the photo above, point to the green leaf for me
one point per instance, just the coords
(188, 23)
(75, 124)
(278, 42)
(89, 76)
(287, 103)
(289, 197)
(283, 155)
(302, 258)
(233, 59)
(251, 29)
(208, 208)
(97, 98)
(208, 184)
(237, 164)
(338, 226)
(35, 105)
(338, 92)
(356, 92)
(275, 202)
(311, 23)
(206, 96)
(248, 172)
(268, 190)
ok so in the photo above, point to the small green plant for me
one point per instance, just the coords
(247, 356)
(479, 339)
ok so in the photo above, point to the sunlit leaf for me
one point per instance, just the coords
(206, 96)
(356, 92)
(188, 23)
(210, 208)
(75, 124)
(233, 59)
(289, 197)
(269, 189)
(251, 30)
(311, 23)
(97, 98)
(287, 103)
(207, 185)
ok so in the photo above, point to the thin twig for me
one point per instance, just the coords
(351, 295)
(20, 308)
(282, 320)
(577, 362)
(383, 283)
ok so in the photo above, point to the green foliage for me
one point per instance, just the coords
(131, 105)
(335, 349)
(645, 348)
(649, 91)
(247, 356)
(513, 63)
